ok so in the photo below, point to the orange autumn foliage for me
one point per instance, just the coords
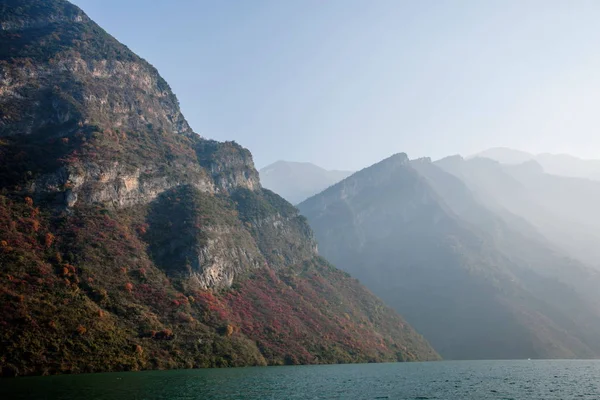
(48, 239)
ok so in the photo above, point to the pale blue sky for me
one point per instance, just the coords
(345, 83)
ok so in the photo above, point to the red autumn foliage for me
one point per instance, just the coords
(165, 334)
(48, 239)
(185, 318)
(68, 270)
(142, 229)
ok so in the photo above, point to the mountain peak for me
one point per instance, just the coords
(505, 155)
(422, 160)
(76, 75)
(296, 181)
(36, 14)
(460, 273)
(398, 157)
(395, 161)
(452, 159)
(155, 247)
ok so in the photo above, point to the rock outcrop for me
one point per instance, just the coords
(127, 241)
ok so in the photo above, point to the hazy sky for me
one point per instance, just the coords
(345, 83)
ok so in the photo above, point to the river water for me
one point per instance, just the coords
(447, 380)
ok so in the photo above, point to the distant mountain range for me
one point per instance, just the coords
(555, 194)
(297, 181)
(562, 209)
(557, 164)
(438, 242)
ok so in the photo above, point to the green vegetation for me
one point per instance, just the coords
(80, 293)
(127, 242)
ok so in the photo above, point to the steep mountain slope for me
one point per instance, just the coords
(295, 181)
(562, 209)
(474, 286)
(129, 242)
(555, 164)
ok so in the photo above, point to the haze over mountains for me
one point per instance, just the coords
(129, 242)
(478, 280)
(296, 181)
(562, 209)
(556, 164)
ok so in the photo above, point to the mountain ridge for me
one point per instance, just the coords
(295, 181)
(555, 164)
(452, 269)
(560, 208)
(128, 242)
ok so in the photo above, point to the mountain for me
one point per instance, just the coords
(562, 209)
(505, 155)
(555, 164)
(567, 165)
(296, 181)
(129, 242)
(478, 284)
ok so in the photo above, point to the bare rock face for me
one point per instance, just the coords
(229, 164)
(71, 73)
(91, 123)
(211, 239)
(112, 185)
(222, 259)
(122, 231)
(100, 92)
(107, 115)
(18, 16)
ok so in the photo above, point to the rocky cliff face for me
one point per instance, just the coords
(109, 118)
(131, 242)
(105, 112)
(64, 71)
